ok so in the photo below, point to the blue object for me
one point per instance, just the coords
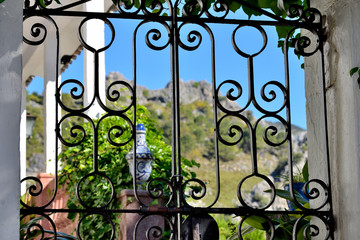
(297, 187)
(143, 156)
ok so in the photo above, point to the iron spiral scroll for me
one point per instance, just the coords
(176, 26)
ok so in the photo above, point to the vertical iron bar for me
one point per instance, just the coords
(57, 115)
(133, 133)
(253, 147)
(97, 96)
(176, 164)
(288, 116)
(134, 115)
(216, 134)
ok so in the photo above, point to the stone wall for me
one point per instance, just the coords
(342, 52)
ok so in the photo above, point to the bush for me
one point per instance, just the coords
(95, 189)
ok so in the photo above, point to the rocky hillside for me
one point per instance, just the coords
(197, 139)
(197, 142)
(190, 92)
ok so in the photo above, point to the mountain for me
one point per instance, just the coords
(190, 91)
(197, 141)
(197, 138)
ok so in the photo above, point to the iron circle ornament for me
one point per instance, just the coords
(267, 180)
(197, 192)
(35, 229)
(193, 37)
(158, 190)
(38, 30)
(302, 45)
(34, 190)
(106, 216)
(266, 220)
(84, 42)
(103, 175)
(312, 192)
(234, 93)
(202, 226)
(219, 6)
(241, 52)
(113, 94)
(153, 232)
(312, 229)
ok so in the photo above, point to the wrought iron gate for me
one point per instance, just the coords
(180, 216)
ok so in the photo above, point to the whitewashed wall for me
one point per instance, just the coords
(342, 52)
(10, 114)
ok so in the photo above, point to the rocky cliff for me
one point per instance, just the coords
(197, 138)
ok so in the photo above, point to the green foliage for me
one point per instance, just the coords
(34, 97)
(36, 142)
(356, 70)
(196, 84)
(226, 226)
(228, 229)
(301, 175)
(95, 190)
(283, 224)
(146, 93)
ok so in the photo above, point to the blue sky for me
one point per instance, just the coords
(154, 67)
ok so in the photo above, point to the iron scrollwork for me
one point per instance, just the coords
(173, 19)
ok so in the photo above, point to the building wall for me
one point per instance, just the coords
(10, 114)
(342, 52)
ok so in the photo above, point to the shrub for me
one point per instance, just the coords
(95, 190)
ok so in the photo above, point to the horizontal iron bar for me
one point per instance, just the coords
(241, 211)
(154, 18)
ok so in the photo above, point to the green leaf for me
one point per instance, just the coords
(353, 71)
(300, 233)
(246, 230)
(305, 171)
(60, 235)
(24, 227)
(154, 203)
(287, 196)
(257, 222)
(147, 3)
(265, 3)
(71, 215)
(234, 6)
(233, 237)
(283, 31)
(1, 1)
(251, 12)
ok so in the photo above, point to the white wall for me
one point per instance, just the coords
(94, 35)
(50, 65)
(342, 52)
(10, 109)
